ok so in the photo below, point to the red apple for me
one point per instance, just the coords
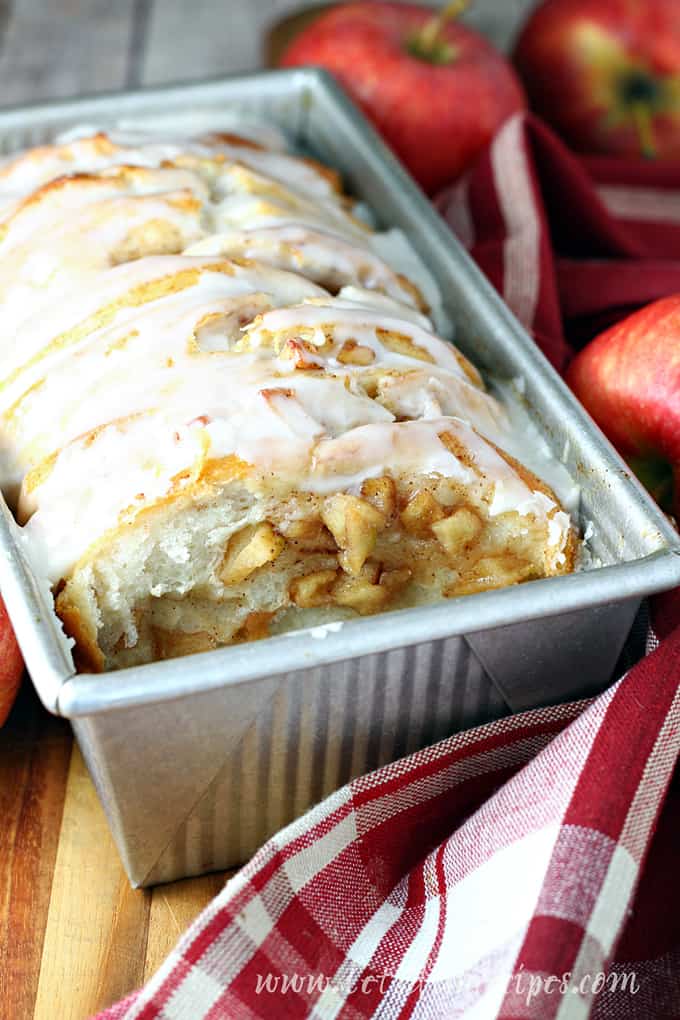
(606, 73)
(435, 90)
(628, 378)
(11, 664)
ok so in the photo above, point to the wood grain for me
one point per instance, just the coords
(173, 907)
(103, 939)
(34, 756)
(63, 48)
(218, 37)
(74, 936)
(96, 929)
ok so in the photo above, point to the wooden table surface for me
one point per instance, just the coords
(74, 937)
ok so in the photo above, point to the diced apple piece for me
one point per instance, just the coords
(249, 549)
(353, 353)
(360, 595)
(394, 581)
(310, 534)
(354, 524)
(421, 512)
(458, 531)
(403, 344)
(312, 589)
(499, 571)
(382, 494)
(255, 628)
(298, 351)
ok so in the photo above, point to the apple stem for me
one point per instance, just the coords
(644, 126)
(429, 36)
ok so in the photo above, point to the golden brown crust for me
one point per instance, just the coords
(71, 182)
(87, 655)
(415, 293)
(100, 144)
(230, 138)
(154, 237)
(122, 176)
(534, 482)
(332, 176)
(141, 294)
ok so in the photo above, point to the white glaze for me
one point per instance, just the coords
(316, 253)
(150, 356)
(77, 502)
(30, 352)
(243, 360)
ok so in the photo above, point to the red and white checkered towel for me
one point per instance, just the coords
(573, 244)
(524, 869)
(490, 875)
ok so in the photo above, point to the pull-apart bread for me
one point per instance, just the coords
(225, 414)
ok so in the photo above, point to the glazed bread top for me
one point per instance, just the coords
(172, 306)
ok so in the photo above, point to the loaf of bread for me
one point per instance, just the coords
(225, 415)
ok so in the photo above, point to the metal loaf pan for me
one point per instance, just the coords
(198, 760)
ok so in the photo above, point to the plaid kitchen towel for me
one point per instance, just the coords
(572, 243)
(491, 875)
